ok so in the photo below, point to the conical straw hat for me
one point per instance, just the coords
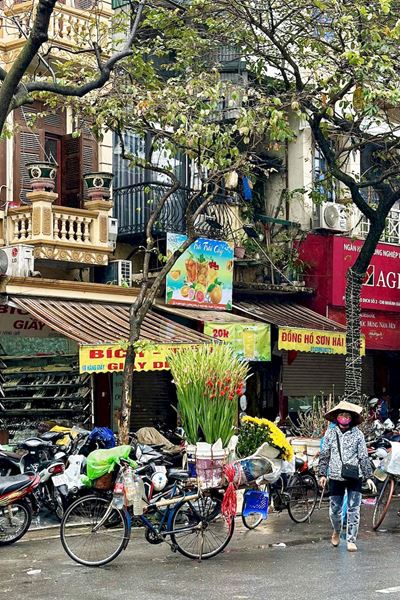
(354, 409)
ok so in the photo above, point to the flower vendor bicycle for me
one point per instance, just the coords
(94, 531)
(298, 493)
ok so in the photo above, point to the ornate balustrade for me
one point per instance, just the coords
(71, 21)
(57, 232)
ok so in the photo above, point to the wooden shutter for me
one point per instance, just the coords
(71, 172)
(3, 172)
(28, 147)
(79, 157)
(89, 161)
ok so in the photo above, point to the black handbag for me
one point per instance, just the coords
(350, 472)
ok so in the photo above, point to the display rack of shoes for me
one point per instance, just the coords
(39, 388)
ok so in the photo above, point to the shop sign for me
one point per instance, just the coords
(251, 341)
(381, 329)
(203, 276)
(310, 340)
(381, 289)
(17, 322)
(111, 358)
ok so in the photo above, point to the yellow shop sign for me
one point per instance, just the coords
(311, 340)
(111, 358)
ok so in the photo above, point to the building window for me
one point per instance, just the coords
(324, 186)
(391, 234)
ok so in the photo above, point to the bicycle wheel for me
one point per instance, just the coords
(89, 541)
(382, 503)
(15, 520)
(205, 532)
(253, 520)
(302, 495)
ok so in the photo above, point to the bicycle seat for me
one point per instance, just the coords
(178, 475)
(299, 462)
(14, 483)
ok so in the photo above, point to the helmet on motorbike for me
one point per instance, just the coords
(373, 401)
(159, 481)
(381, 453)
(388, 424)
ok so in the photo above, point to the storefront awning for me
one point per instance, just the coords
(299, 328)
(95, 323)
(287, 314)
(204, 316)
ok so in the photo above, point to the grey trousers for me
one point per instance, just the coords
(353, 514)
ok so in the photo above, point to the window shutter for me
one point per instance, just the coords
(71, 172)
(28, 147)
(89, 156)
(3, 172)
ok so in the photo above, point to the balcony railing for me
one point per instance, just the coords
(391, 234)
(59, 233)
(134, 204)
(70, 23)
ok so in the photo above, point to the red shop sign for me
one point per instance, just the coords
(381, 289)
(381, 329)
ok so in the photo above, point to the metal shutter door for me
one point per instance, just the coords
(313, 374)
(153, 394)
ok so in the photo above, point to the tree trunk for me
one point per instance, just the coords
(355, 278)
(136, 320)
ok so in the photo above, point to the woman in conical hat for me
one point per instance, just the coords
(344, 454)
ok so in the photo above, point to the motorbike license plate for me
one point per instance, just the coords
(59, 480)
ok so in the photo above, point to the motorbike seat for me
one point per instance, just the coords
(12, 455)
(178, 475)
(35, 444)
(53, 436)
(299, 462)
(14, 483)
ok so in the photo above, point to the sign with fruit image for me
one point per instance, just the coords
(250, 341)
(203, 276)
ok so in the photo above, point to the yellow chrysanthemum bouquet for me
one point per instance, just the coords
(254, 432)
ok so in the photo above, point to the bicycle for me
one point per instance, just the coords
(94, 531)
(383, 501)
(297, 493)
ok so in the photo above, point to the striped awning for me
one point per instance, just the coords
(95, 323)
(287, 314)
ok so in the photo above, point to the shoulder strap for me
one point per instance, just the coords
(338, 443)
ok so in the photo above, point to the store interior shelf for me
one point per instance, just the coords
(21, 388)
(40, 411)
(36, 398)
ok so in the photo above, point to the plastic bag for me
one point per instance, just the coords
(101, 462)
(251, 468)
(391, 463)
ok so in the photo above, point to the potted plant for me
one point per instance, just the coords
(42, 175)
(255, 432)
(98, 185)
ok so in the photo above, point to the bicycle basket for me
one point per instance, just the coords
(105, 482)
(255, 501)
(209, 469)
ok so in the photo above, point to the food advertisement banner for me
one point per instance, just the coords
(111, 358)
(203, 276)
(251, 341)
(310, 340)
(381, 289)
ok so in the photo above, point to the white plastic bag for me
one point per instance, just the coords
(392, 462)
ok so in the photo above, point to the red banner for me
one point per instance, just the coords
(381, 289)
(381, 329)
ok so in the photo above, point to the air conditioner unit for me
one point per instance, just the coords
(331, 216)
(112, 231)
(16, 261)
(117, 272)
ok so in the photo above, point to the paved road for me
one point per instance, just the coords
(307, 568)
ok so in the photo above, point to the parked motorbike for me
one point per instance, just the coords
(42, 457)
(17, 501)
